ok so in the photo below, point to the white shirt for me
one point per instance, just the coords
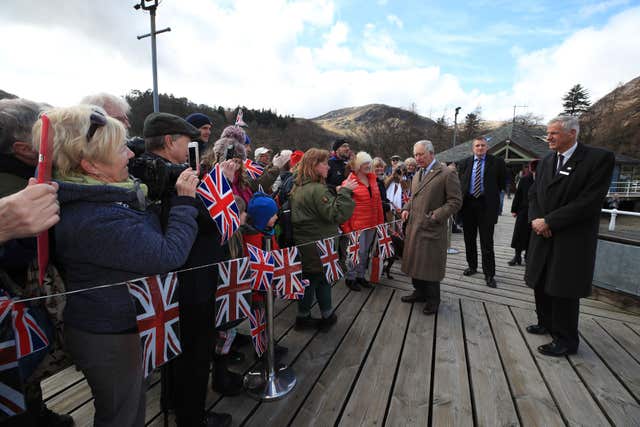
(567, 154)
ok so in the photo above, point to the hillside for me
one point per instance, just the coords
(378, 128)
(614, 121)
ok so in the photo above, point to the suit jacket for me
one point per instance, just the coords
(426, 239)
(495, 173)
(570, 202)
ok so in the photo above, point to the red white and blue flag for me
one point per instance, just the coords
(330, 260)
(258, 323)
(385, 245)
(217, 196)
(158, 318)
(262, 266)
(29, 335)
(254, 170)
(353, 249)
(287, 274)
(233, 296)
(239, 121)
(11, 397)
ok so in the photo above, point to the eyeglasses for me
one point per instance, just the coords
(97, 120)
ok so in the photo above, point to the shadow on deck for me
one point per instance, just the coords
(385, 363)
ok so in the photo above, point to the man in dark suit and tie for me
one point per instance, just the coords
(564, 209)
(482, 177)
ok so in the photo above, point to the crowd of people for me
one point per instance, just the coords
(114, 216)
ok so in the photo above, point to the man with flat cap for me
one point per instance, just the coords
(166, 140)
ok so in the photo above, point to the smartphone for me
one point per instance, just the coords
(194, 155)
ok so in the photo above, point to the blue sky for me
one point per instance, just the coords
(306, 57)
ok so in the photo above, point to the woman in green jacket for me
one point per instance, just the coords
(315, 215)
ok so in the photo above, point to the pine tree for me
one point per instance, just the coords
(472, 125)
(576, 101)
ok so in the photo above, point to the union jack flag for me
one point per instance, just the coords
(217, 196)
(262, 267)
(11, 397)
(233, 296)
(28, 334)
(330, 260)
(258, 330)
(158, 318)
(239, 121)
(353, 250)
(406, 197)
(287, 274)
(384, 241)
(254, 170)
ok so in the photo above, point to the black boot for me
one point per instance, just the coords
(364, 282)
(353, 285)
(517, 259)
(225, 382)
(387, 268)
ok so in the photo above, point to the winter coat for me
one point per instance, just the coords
(315, 214)
(438, 194)
(368, 212)
(520, 207)
(570, 203)
(494, 182)
(105, 237)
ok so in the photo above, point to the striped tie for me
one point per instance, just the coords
(478, 179)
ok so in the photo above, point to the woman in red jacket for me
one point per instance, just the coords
(367, 214)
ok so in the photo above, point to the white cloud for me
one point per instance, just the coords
(293, 56)
(383, 2)
(600, 7)
(393, 19)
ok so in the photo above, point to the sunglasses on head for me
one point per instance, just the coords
(97, 120)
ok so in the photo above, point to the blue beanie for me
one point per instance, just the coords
(261, 208)
(198, 120)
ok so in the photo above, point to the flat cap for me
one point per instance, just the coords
(158, 124)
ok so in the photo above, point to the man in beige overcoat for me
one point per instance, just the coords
(436, 196)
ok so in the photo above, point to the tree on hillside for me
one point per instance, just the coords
(529, 120)
(472, 125)
(576, 101)
(441, 134)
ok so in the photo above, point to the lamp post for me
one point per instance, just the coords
(151, 6)
(455, 126)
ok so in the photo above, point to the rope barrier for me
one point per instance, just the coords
(112, 285)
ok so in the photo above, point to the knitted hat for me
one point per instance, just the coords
(234, 132)
(198, 120)
(338, 143)
(361, 159)
(261, 208)
(296, 157)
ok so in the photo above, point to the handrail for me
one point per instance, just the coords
(614, 213)
(624, 188)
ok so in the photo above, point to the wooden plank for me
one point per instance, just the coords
(533, 400)
(322, 406)
(571, 394)
(410, 400)
(241, 406)
(60, 381)
(368, 401)
(618, 360)
(310, 364)
(623, 335)
(493, 402)
(451, 395)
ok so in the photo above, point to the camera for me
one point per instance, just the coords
(158, 174)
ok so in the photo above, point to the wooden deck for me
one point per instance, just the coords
(385, 363)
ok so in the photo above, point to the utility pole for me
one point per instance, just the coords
(455, 126)
(513, 122)
(151, 6)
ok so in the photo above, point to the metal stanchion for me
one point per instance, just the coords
(450, 250)
(270, 382)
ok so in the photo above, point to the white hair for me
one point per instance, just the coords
(426, 144)
(108, 102)
(567, 123)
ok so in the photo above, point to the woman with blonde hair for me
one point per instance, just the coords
(106, 235)
(316, 213)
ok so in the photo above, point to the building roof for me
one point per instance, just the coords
(530, 139)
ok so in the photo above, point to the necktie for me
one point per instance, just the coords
(477, 180)
(421, 173)
(560, 163)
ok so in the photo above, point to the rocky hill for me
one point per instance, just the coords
(614, 121)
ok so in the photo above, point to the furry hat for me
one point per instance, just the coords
(234, 132)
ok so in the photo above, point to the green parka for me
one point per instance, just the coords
(316, 214)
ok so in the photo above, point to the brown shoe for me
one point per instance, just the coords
(430, 308)
(413, 297)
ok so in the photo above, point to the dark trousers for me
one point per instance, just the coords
(430, 291)
(559, 316)
(475, 218)
(190, 370)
